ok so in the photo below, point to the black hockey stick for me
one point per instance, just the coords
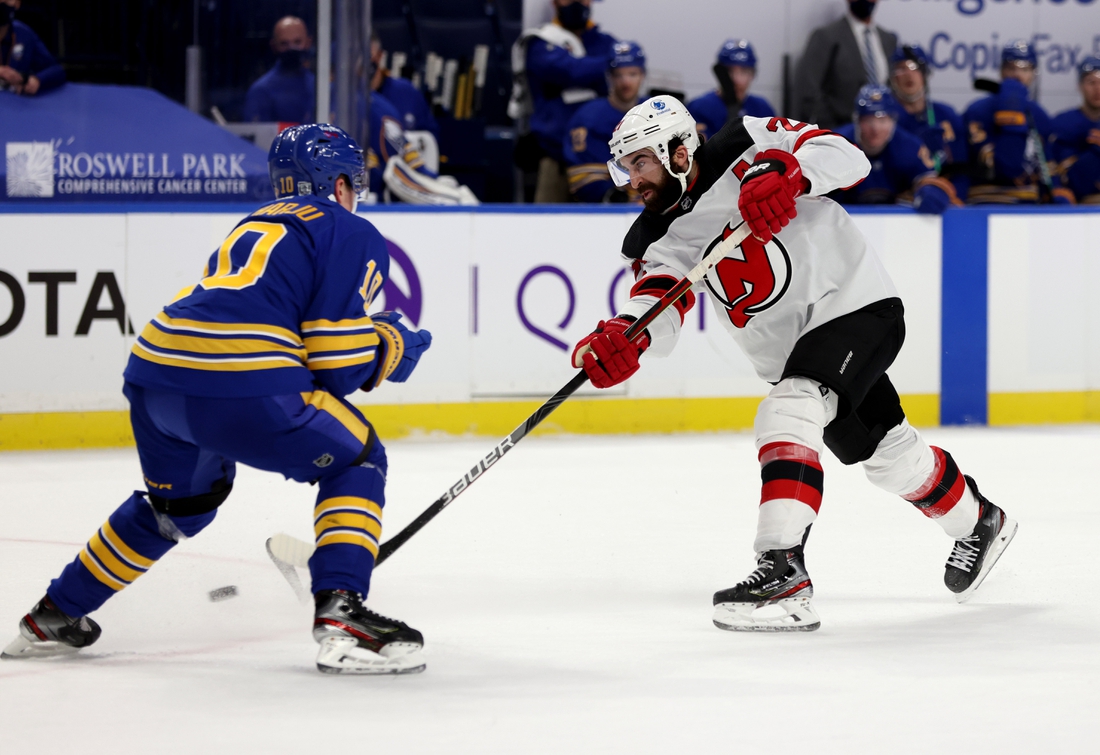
(710, 259)
(288, 551)
(1046, 188)
(729, 91)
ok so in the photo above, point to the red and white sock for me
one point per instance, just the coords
(791, 494)
(926, 476)
(945, 497)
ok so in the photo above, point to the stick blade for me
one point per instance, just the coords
(286, 553)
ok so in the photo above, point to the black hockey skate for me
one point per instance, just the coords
(775, 597)
(47, 631)
(356, 640)
(974, 555)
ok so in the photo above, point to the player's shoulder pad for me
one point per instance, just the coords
(980, 108)
(1072, 122)
(728, 143)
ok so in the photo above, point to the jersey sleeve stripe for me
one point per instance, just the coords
(658, 286)
(317, 344)
(359, 323)
(224, 328)
(215, 346)
(803, 138)
(337, 362)
(212, 365)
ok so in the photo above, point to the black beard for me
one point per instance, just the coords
(668, 193)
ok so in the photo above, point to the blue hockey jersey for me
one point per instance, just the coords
(941, 131)
(551, 70)
(1076, 150)
(586, 152)
(281, 308)
(894, 171)
(709, 111)
(1004, 161)
(410, 103)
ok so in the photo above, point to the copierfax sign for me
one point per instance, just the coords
(964, 38)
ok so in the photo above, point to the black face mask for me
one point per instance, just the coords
(7, 15)
(574, 16)
(291, 60)
(862, 9)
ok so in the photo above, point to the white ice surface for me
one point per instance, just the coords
(566, 604)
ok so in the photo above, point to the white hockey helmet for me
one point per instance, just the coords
(653, 124)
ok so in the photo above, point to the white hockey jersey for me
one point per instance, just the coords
(816, 269)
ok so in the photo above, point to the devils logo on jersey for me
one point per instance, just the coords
(752, 279)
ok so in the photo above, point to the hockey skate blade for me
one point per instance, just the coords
(342, 655)
(1008, 531)
(21, 648)
(790, 615)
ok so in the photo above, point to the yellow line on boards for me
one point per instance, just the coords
(585, 416)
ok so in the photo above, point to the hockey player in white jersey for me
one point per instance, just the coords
(813, 309)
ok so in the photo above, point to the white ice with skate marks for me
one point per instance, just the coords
(566, 606)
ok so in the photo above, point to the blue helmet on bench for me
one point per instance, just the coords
(308, 159)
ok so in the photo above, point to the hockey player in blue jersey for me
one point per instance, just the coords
(585, 146)
(737, 63)
(899, 161)
(393, 163)
(1076, 145)
(556, 68)
(934, 123)
(1009, 134)
(416, 114)
(251, 365)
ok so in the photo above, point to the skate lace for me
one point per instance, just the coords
(965, 553)
(764, 566)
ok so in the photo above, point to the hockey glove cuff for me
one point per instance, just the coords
(399, 349)
(931, 200)
(606, 356)
(768, 192)
(1010, 109)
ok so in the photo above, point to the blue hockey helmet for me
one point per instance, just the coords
(626, 54)
(913, 54)
(737, 52)
(1091, 64)
(1019, 52)
(308, 159)
(876, 100)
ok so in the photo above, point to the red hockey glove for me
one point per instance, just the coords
(605, 354)
(768, 191)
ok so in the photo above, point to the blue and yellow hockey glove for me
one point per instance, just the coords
(1011, 107)
(399, 349)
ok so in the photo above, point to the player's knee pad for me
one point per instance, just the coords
(901, 463)
(193, 505)
(795, 411)
(855, 434)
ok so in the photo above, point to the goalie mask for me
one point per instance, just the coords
(654, 124)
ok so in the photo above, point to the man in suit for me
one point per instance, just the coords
(840, 58)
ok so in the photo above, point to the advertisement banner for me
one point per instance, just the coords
(505, 294)
(94, 143)
(963, 38)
